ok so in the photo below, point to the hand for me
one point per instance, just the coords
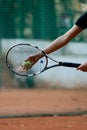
(83, 67)
(33, 59)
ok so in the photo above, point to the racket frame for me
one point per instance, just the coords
(27, 75)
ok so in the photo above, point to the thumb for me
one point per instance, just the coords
(78, 67)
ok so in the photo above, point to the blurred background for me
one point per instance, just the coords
(39, 22)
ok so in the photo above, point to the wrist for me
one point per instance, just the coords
(40, 55)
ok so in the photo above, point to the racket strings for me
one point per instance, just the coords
(18, 54)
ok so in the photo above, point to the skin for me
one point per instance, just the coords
(59, 43)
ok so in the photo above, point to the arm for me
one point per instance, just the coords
(63, 40)
(58, 43)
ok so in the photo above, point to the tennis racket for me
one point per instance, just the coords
(17, 54)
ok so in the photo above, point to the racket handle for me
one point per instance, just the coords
(67, 64)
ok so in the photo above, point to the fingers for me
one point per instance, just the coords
(78, 68)
(82, 67)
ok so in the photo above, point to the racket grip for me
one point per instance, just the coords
(67, 64)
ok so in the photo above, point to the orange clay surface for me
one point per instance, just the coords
(38, 101)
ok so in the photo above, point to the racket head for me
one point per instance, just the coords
(18, 53)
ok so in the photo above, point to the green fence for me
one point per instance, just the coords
(39, 19)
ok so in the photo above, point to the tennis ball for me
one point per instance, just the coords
(26, 64)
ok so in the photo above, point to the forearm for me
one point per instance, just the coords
(63, 40)
(56, 44)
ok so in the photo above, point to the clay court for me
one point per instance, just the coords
(40, 109)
